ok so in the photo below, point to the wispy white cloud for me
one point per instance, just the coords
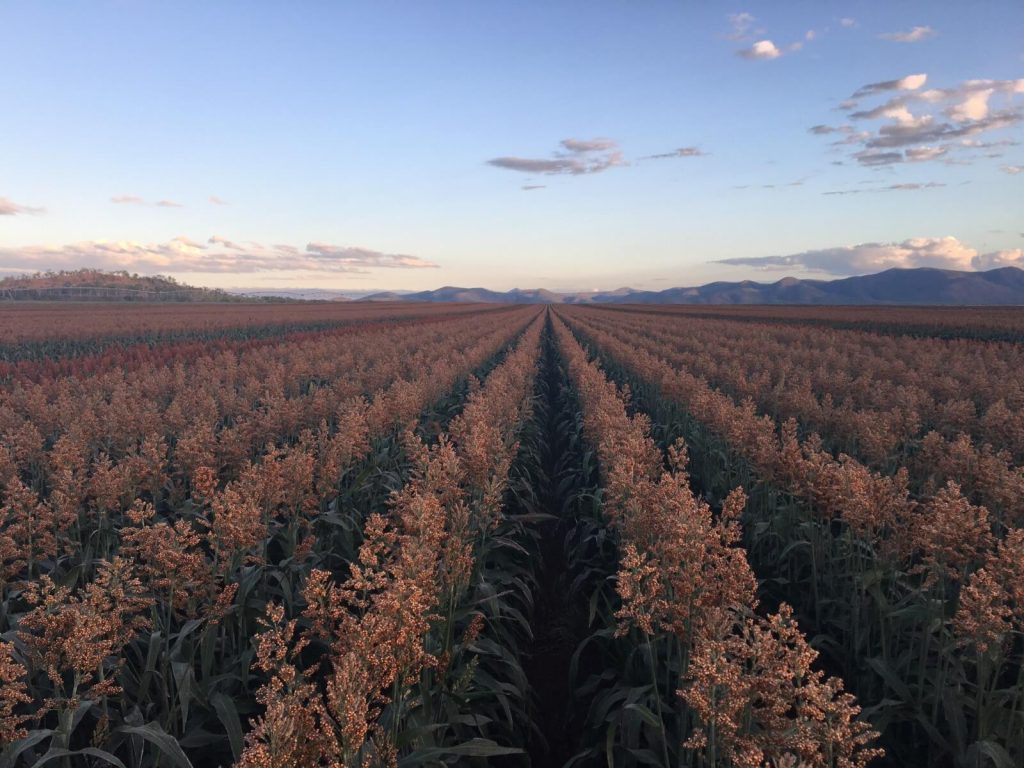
(872, 157)
(218, 201)
(136, 200)
(741, 26)
(847, 22)
(920, 154)
(575, 158)
(761, 48)
(223, 241)
(11, 208)
(781, 185)
(982, 145)
(847, 133)
(681, 152)
(908, 187)
(912, 35)
(908, 83)
(582, 146)
(1013, 170)
(579, 157)
(220, 255)
(338, 256)
(531, 187)
(864, 258)
(904, 187)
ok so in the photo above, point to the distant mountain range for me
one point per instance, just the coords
(893, 286)
(1004, 286)
(452, 293)
(298, 294)
(306, 294)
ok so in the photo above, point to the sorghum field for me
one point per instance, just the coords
(414, 535)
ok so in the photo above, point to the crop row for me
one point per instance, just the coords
(385, 637)
(984, 323)
(726, 685)
(100, 440)
(914, 599)
(145, 341)
(877, 397)
(932, 460)
(136, 579)
(24, 323)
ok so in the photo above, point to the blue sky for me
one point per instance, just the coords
(391, 144)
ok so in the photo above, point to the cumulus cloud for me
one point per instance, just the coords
(922, 125)
(761, 50)
(681, 152)
(926, 130)
(218, 254)
(865, 258)
(973, 107)
(217, 201)
(1013, 257)
(11, 208)
(576, 157)
(912, 35)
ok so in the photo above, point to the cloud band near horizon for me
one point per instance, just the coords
(10, 208)
(217, 255)
(865, 258)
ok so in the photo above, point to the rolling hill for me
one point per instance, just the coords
(921, 286)
(98, 285)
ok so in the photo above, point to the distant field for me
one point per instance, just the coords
(996, 323)
(464, 534)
